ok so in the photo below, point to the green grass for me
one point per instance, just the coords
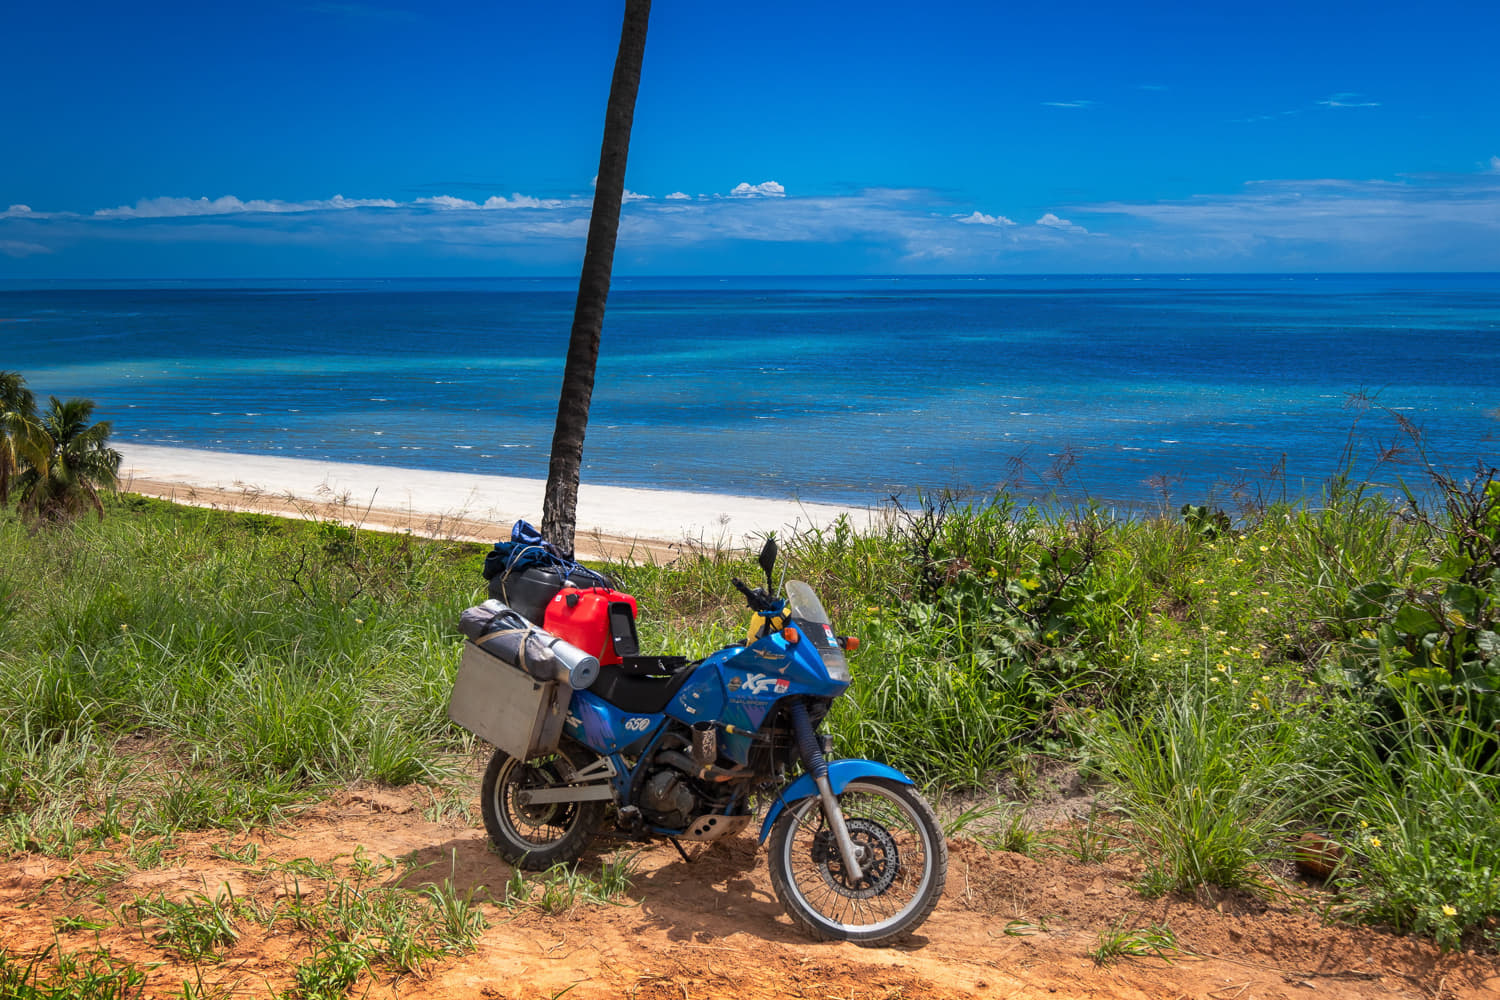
(72, 976)
(1207, 779)
(194, 928)
(1122, 941)
(273, 658)
(563, 887)
(1424, 826)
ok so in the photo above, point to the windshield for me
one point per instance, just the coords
(804, 604)
(808, 613)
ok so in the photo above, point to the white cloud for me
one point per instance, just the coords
(978, 218)
(931, 253)
(446, 201)
(20, 248)
(632, 196)
(765, 189)
(682, 196)
(1435, 222)
(520, 201)
(1053, 222)
(1432, 222)
(1068, 104)
(1346, 100)
(169, 208)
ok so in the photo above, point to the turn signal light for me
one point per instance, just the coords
(850, 642)
(790, 635)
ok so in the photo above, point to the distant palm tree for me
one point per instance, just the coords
(65, 462)
(17, 416)
(560, 505)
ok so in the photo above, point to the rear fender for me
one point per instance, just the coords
(840, 773)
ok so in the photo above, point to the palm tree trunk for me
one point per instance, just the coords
(560, 506)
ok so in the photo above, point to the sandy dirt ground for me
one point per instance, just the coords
(1012, 926)
(595, 545)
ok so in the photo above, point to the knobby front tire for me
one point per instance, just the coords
(901, 851)
(536, 837)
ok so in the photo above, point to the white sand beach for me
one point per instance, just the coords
(613, 521)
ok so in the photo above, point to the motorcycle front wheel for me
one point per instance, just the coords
(899, 847)
(537, 836)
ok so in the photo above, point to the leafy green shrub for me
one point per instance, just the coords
(1429, 648)
(1433, 646)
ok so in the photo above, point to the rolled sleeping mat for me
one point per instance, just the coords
(541, 654)
(583, 669)
(488, 617)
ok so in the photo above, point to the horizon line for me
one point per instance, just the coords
(858, 275)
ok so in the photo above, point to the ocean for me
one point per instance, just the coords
(1134, 391)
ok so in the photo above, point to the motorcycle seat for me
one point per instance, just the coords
(644, 684)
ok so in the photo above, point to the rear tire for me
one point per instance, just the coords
(903, 854)
(536, 837)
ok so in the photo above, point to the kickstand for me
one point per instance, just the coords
(678, 844)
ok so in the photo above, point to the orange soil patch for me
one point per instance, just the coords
(1009, 926)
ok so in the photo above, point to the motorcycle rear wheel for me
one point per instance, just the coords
(901, 851)
(536, 837)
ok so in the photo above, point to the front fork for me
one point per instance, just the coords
(817, 767)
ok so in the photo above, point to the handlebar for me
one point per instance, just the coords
(758, 599)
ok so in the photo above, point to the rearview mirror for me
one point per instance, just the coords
(768, 562)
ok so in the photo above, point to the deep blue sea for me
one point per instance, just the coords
(1148, 389)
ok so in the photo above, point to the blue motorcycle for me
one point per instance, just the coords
(687, 751)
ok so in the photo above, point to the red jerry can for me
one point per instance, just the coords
(598, 621)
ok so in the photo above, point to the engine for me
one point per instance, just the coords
(669, 799)
(677, 791)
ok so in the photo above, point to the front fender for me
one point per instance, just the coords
(840, 773)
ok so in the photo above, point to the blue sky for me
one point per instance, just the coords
(161, 140)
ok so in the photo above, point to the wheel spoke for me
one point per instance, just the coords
(894, 843)
(537, 835)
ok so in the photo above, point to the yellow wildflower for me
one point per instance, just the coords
(1374, 841)
(1265, 548)
(1449, 911)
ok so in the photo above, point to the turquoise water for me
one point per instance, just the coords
(839, 389)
